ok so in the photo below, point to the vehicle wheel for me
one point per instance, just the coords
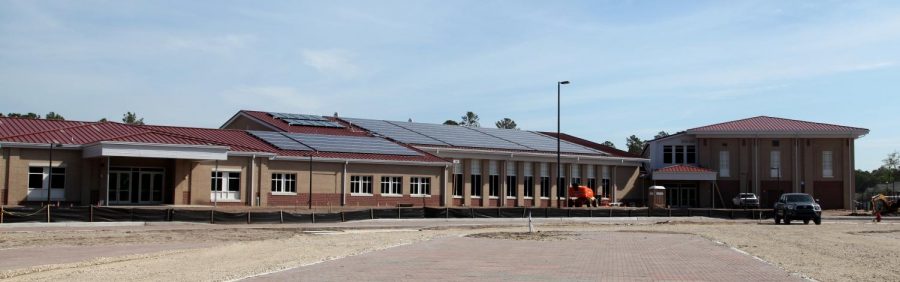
(777, 219)
(806, 221)
(817, 220)
(787, 220)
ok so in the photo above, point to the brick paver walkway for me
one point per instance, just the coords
(590, 256)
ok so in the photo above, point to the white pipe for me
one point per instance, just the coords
(344, 184)
(253, 180)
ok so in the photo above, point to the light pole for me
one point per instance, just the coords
(558, 142)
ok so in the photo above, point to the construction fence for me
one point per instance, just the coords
(111, 214)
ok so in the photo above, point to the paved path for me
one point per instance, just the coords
(589, 256)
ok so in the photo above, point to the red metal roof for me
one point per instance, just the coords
(283, 125)
(684, 168)
(593, 145)
(774, 124)
(81, 133)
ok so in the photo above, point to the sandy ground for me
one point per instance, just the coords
(834, 251)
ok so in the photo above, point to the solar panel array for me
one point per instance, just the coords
(392, 131)
(333, 143)
(536, 141)
(280, 141)
(351, 144)
(297, 116)
(460, 136)
(313, 123)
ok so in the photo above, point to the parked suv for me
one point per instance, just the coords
(746, 200)
(799, 206)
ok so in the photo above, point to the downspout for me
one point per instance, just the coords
(344, 185)
(796, 174)
(108, 164)
(253, 181)
(756, 166)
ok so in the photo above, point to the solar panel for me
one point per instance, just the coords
(536, 141)
(460, 136)
(351, 144)
(280, 141)
(313, 123)
(392, 131)
(297, 116)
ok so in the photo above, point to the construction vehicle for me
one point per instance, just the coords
(884, 204)
(581, 196)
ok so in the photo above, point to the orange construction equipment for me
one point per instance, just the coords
(583, 196)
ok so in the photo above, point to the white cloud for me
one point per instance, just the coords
(331, 62)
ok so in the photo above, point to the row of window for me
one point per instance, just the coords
(390, 185)
(543, 186)
(775, 164)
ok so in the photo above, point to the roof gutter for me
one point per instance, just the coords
(360, 161)
(528, 154)
(40, 146)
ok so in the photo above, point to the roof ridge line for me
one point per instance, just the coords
(193, 138)
(49, 130)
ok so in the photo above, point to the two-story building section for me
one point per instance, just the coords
(707, 166)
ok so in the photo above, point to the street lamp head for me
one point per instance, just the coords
(564, 82)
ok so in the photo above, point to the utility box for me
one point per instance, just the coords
(656, 197)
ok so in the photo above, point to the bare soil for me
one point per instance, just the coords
(833, 251)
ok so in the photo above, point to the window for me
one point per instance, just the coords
(420, 186)
(827, 164)
(545, 187)
(284, 183)
(775, 143)
(667, 154)
(38, 181)
(512, 186)
(607, 189)
(458, 185)
(476, 185)
(561, 187)
(494, 185)
(226, 185)
(360, 184)
(390, 185)
(691, 154)
(592, 183)
(724, 164)
(529, 187)
(775, 163)
(679, 154)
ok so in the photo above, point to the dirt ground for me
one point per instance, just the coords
(833, 251)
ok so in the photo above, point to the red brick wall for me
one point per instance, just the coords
(510, 203)
(186, 198)
(457, 202)
(334, 199)
(529, 202)
(493, 202)
(829, 193)
(476, 202)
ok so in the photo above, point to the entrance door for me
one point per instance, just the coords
(136, 185)
(681, 196)
(119, 187)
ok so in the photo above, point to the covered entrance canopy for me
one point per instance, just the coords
(683, 192)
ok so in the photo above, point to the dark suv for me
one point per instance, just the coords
(799, 206)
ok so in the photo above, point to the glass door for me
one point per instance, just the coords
(151, 187)
(119, 187)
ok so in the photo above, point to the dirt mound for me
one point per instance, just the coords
(535, 236)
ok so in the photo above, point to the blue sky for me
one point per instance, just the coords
(637, 67)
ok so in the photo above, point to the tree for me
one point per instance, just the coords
(451, 122)
(609, 144)
(470, 120)
(1, 114)
(890, 164)
(28, 115)
(102, 120)
(131, 118)
(54, 116)
(635, 145)
(506, 123)
(661, 134)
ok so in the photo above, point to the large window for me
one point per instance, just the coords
(226, 185)
(545, 187)
(529, 187)
(561, 187)
(476, 186)
(606, 188)
(458, 185)
(494, 185)
(390, 185)
(284, 183)
(511, 186)
(361, 184)
(420, 186)
(775, 163)
(827, 164)
(724, 164)
(679, 154)
(39, 180)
